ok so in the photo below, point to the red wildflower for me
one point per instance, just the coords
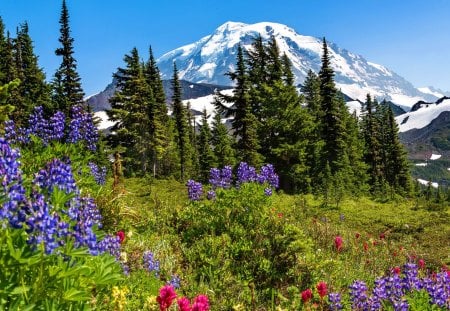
(166, 297)
(421, 263)
(366, 246)
(306, 295)
(121, 236)
(396, 270)
(322, 289)
(382, 236)
(184, 304)
(280, 215)
(338, 243)
(357, 235)
(201, 303)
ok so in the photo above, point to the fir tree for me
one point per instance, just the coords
(205, 153)
(130, 108)
(67, 90)
(180, 116)
(33, 89)
(244, 123)
(222, 142)
(156, 113)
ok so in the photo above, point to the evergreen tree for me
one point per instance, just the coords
(397, 167)
(333, 125)
(222, 142)
(130, 108)
(67, 90)
(244, 123)
(157, 113)
(288, 76)
(33, 89)
(205, 153)
(180, 116)
(371, 134)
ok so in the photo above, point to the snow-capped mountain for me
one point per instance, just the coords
(208, 59)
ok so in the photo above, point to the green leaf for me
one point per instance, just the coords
(20, 290)
(76, 295)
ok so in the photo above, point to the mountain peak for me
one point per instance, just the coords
(210, 58)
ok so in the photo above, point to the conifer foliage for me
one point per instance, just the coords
(67, 91)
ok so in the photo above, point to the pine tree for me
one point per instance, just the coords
(67, 90)
(180, 116)
(222, 142)
(205, 153)
(288, 76)
(244, 124)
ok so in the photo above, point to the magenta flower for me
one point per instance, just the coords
(166, 297)
(184, 304)
(338, 242)
(201, 303)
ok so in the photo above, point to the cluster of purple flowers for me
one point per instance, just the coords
(50, 225)
(393, 288)
(81, 128)
(150, 263)
(195, 190)
(99, 173)
(174, 281)
(223, 178)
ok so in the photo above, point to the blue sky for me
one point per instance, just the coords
(410, 37)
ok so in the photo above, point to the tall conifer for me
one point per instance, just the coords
(206, 156)
(67, 90)
(222, 142)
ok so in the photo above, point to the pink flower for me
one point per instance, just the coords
(166, 297)
(322, 289)
(306, 295)
(121, 236)
(421, 263)
(184, 304)
(338, 243)
(201, 303)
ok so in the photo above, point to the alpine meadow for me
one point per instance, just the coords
(255, 169)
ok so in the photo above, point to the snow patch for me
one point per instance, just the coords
(105, 123)
(422, 164)
(435, 156)
(426, 182)
(427, 90)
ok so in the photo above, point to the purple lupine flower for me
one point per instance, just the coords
(211, 195)
(10, 131)
(411, 280)
(38, 125)
(14, 206)
(214, 177)
(110, 244)
(82, 128)
(23, 135)
(195, 190)
(98, 173)
(42, 226)
(401, 305)
(268, 191)
(56, 174)
(358, 295)
(245, 173)
(57, 125)
(267, 174)
(150, 263)
(394, 287)
(439, 289)
(226, 175)
(379, 289)
(335, 301)
(174, 281)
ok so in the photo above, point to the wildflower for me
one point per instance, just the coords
(245, 173)
(166, 297)
(57, 174)
(195, 190)
(184, 304)
(421, 264)
(358, 295)
(341, 217)
(396, 270)
(382, 236)
(150, 263)
(121, 236)
(338, 243)
(322, 289)
(110, 244)
(306, 295)
(99, 173)
(365, 246)
(201, 303)
(268, 192)
(174, 281)
(357, 235)
(211, 195)
(335, 301)
(56, 126)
